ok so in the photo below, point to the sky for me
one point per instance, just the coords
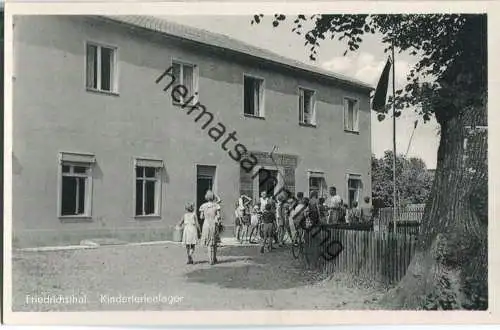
(365, 64)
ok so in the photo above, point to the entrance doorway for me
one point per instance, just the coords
(205, 179)
(268, 180)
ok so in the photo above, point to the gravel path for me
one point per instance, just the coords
(119, 277)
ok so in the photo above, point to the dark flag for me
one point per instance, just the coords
(378, 103)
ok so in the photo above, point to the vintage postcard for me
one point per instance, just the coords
(250, 163)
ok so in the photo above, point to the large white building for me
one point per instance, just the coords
(101, 150)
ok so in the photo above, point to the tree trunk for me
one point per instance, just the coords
(450, 267)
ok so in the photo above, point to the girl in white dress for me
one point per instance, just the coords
(210, 212)
(190, 233)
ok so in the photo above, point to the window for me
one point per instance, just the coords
(317, 182)
(307, 113)
(101, 68)
(351, 115)
(253, 96)
(185, 75)
(75, 185)
(147, 187)
(354, 187)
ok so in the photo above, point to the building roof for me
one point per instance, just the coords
(165, 27)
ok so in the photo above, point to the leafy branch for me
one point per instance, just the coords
(451, 71)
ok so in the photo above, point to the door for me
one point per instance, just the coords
(268, 180)
(205, 177)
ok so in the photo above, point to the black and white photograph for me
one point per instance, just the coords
(264, 161)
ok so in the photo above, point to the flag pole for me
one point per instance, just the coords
(394, 211)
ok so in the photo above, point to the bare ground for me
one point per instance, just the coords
(244, 279)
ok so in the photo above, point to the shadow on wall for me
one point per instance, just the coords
(165, 178)
(17, 168)
(97, 172)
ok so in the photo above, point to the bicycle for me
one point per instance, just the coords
(299, 245)
(305, 238)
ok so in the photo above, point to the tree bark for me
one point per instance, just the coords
(450, 267)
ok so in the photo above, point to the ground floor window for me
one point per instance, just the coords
(317, 182)
(75, 187)
(354, 188)
(148, 187)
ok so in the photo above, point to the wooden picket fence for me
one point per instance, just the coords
(405, 227)
(404, 214)
(408, 220)
(376, 256)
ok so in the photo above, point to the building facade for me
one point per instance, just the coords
(107, 144)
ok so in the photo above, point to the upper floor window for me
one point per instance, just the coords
(186, 75)
(253, 96)
(307, 107)
(101, 68)
(351, 109)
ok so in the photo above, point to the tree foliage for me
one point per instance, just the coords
(451, 73)
(2, 23)
(413, 180)
(449, 269)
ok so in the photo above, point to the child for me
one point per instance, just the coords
(367, 211)
(238, 214)
(280, 220)
(274, 209)
(314, 211)
(219, 223)
(268, 220)
(334, 205)
(242, 216)
(344, 212)
(263, 201)
(323, 212)
(355, 213)
(190, 233)
(288, 209)
(254, 220)
(298, 218)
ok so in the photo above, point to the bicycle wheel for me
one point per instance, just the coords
(297, 247)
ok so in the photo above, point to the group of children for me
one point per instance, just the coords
(276, 217)
(266, 217)
(283, 214)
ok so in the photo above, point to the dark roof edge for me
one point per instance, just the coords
(340, 80)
